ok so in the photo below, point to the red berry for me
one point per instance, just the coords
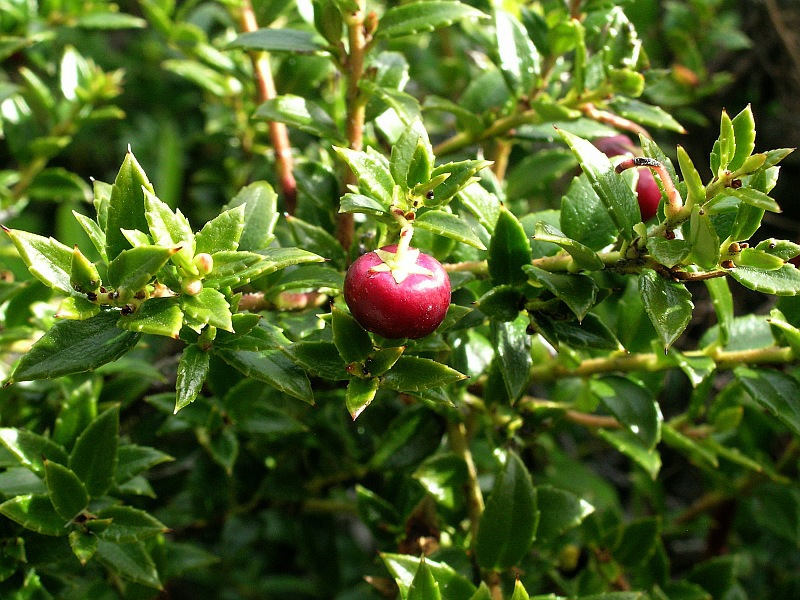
(413, 308)
(647, 191)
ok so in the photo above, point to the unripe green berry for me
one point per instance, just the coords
(204, 263)
(191, 287)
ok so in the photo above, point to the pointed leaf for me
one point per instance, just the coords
(449, 225)
(577, 291)
(94, 457)
(272, 367)
(613, 191)
(458, 176)
(633, 405)
(192, 372)
(260, 215)
(509, 250)
(668, 304)
(294, 41)
(350, 339)
(780, 282)
(156, 316)
(83, 544)
(129, 561)
(234, 269)
(775, 391)
(410, 19)
(560, 511)
(584, 217)
(134, 268)
(633, 447)
(209, 307)
(222, 232)
(584, 257)
(423, 586)
(513, 345)
(36, 513)
(519, 59)
(167, 228)
(744, 132)
(129, 524)
(302, 114)
(374, 177)
(47, 259)
(74, 347)
(67, 493)
(415, 374)
(360, 393)
(126, 205)
(508, 524)
(32, 449)
(452, 585)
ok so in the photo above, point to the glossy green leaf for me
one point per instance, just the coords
(272, 367)
(83, 544)
(775, 391)
(222, 232)
(350, 339)
(513, 345)
(585, 258)
(744, 132)
(167, 228)
(577, 291)
(192, 372)
(755, 198)
(320, 358)
(423, 586)
(501, 303)
(47, 259)
(412, 157)
(234, 269)
(780, 282)
(18, 481)
(316, 239)
(133, 459)
(509, 250)
(560, 510)
(359, 203)
(134, 268)
(382, 360)
(633, 405)
(535, 171)
(703, 240)
(129, 524)
(36, 513)
(93, 232)
(668, 304)
(32, 449)
(668, 252)
(449, 225)
(758, 259)
(360, 393)
(129, 561)
(519, 593)
(126, 205)
(74, 347)
(722, 301)
(294, 41)
(300, 113)
(67, 493)
(783, 249)
(638, 541)
(83, 275)
(94, 457)
(444, 476)
(415, 374)
(632, 446)
(613, 191)
(483, 593)
(509, 521)
(692, 449)
(584, 217)
(452, 585)
(415, 18)
(409, 438)
(209, 307)
(518, 58)
(694, 183)
(156, 316)
(372, 172)
(260, 215)
(591, 332)
(725, 147)
(483, 204)
(645, 114)
(459, 175)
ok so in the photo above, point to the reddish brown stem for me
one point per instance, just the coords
(278, 133)
(674, 200)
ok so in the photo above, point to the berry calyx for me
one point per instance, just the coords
(397, 293)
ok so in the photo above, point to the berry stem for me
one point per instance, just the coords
(674, 200)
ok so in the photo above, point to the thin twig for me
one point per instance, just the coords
(278, 133)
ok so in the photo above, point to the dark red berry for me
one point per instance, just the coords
(647, 191)
(412, 308)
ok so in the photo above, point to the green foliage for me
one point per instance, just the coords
(190, 408)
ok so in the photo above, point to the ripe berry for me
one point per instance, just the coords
(647, 191)
(397, 297)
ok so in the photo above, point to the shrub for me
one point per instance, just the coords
(190, 408)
